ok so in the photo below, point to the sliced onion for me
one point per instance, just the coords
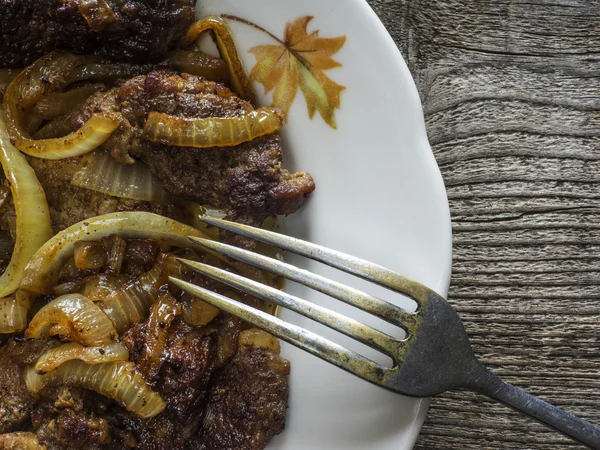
(20, 440)
(13, 312)
(240, 81)
(25, 91)
(131, 304)
(57, 356)
(55, 128)
(106, 73)
(33, 224)
(260, 339)
(75, 318)
(197, 313)
(162, 315)
(99, 172)
(117, 380)
(44, 268)
(60, 103)
(212, 131)
(100, 287)
(97, 13)
(198, 63)
(89, 255)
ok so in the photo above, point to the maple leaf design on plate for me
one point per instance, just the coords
(299, 61)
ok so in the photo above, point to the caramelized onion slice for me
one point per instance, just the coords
(106, 73)
(162, 315)
(198, 63)
(197, 313)
(75, 318)
(20, 440)
(44, 75)
(131, 304)
(117, 380)
(57, 356)
(44, 268)
(60, 103)
(13, 312)
(33, 225)
(212, 131)
(260, 339)
(240, 81)
(98, 171)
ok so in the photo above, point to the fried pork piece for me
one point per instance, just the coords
(248, 179)
(15, 402)
(135, 30)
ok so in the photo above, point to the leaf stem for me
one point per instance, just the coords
(253, 25)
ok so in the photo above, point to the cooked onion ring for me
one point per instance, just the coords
(57, 104)
(198, 63)
(33, 227)
(57, 356)
(75, 318)
(44, 268)
(242, 84)
(117, 380)
(44, 75)
(212, 131)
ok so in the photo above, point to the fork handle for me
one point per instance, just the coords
(572, 426)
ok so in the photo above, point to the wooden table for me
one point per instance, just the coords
(511, 93)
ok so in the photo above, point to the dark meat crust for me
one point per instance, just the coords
(248, 179)
(146, 29)
(15, 402)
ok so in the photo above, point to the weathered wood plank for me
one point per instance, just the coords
(510, 90)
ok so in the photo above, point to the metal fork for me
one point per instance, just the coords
(435, 356)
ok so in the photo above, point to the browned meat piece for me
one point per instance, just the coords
(70, 204)
(248, 179)
(15, 402)
(248, 402)
(140, 30)
(72, 421)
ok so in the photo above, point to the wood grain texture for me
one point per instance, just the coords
(511, 94)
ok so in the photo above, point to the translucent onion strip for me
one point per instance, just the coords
(240, 81)
(60, 103)
(197, 313)
(106, 73)
(26, 90)
(131, 304)
(33, 226)
(13, 312)
(99, 172)
(118, 380)
(57, 356)
(20, 440)
(163, 312)
(43, 270)
(198, 63)
(74, 318)
(212, 131)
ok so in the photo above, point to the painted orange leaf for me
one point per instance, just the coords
(300, 61)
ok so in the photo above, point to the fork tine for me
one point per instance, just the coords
(347, 263)
(350, 327)
(301, 338)
(373, 305)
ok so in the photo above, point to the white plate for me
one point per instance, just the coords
(379, 196)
